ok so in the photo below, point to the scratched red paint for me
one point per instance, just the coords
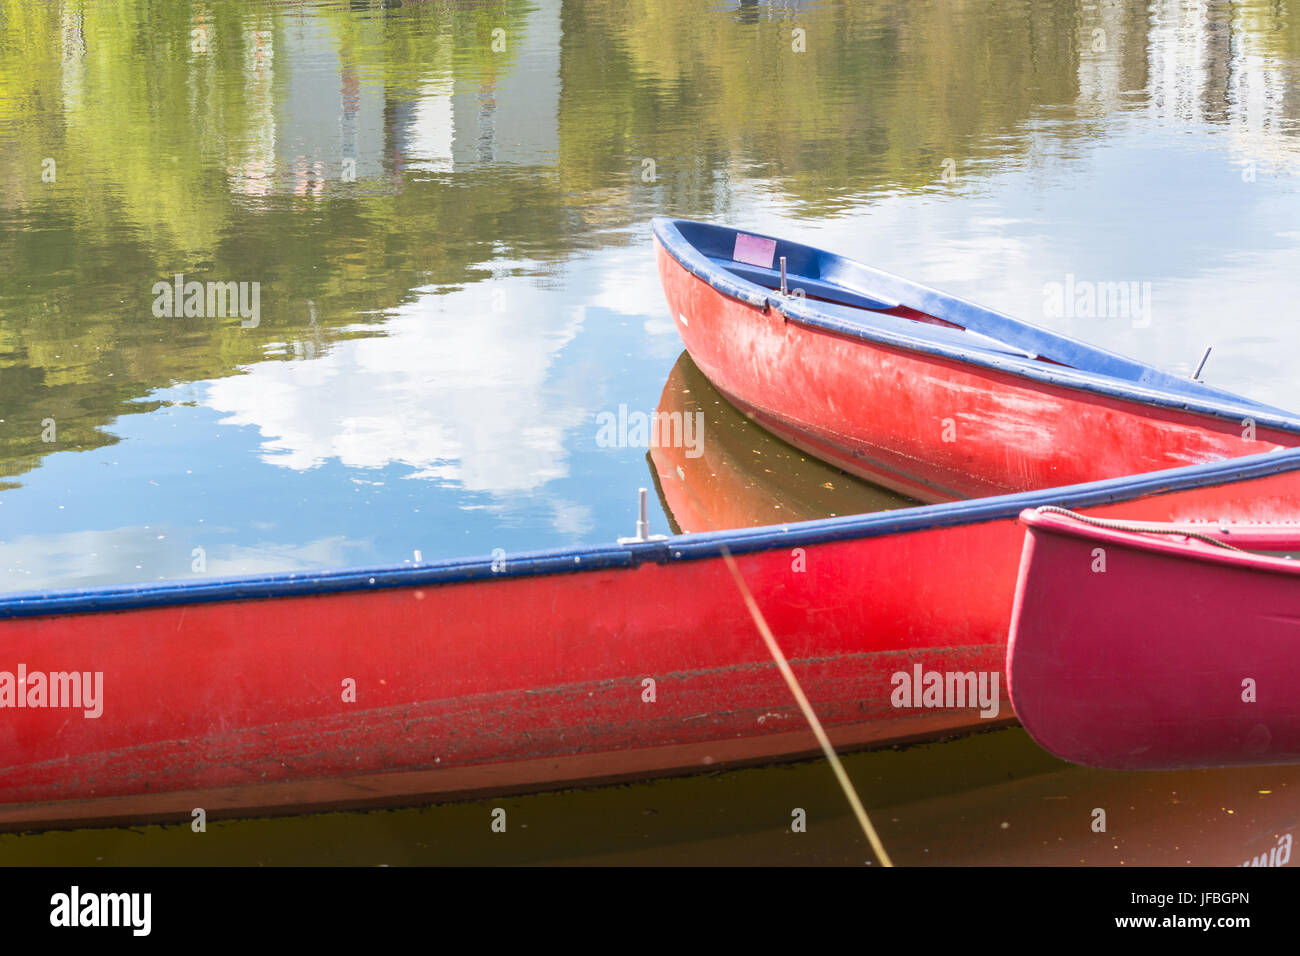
(881, 413)
(522, 682)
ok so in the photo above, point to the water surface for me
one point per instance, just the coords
(445, 207)
(451, 245)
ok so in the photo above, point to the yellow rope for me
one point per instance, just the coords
(783, 665)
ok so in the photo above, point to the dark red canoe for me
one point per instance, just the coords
(403, 685)
(922, 392)
(1140, 650)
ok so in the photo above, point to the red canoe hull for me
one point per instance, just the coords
(1171, 654)
(535, 678)
(927, 426)
(741, 476)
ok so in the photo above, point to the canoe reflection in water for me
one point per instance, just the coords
(487, 677)
(746, 476)
(1064, 815)
(926, 393)
(993, 799)
(1038, 812)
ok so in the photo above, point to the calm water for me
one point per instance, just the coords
(448, 228)
(989, 799)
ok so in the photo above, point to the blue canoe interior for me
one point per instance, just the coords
(841, 295)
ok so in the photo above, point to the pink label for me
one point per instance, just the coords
(753, 250)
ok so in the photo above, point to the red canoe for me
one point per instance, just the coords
(481, 676)
(925, 393)
(1145, 651)
(742, 476)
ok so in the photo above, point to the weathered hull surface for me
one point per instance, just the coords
(231, 695)
(1142, 652)
(929, 425)
(741, 476)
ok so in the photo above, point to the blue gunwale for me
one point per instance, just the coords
(688, 547)
(1092, 369)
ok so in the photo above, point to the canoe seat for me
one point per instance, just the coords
(865, 311)
(962, 338)
(813, 288)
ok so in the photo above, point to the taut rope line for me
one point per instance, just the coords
(793, 683)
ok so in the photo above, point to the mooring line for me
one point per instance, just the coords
(1138, 527)
(793, 683)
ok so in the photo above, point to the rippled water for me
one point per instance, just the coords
(445, 207)
(437, 337)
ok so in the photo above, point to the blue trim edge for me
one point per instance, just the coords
(689, 547)
(1190, 396)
